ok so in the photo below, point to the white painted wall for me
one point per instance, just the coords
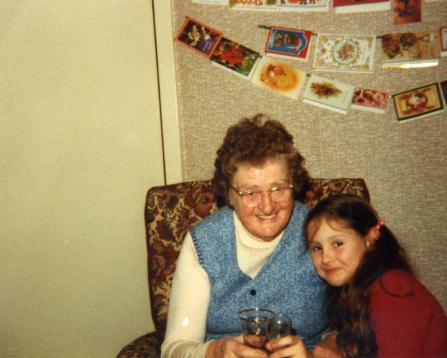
(80, 145)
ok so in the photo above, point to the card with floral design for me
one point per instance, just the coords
(443, 90)
(443, 40)
(212, 2)
(289, 43)
(418, 102)
(370, 100)
(279, 77)
(329, 94)
(410, 49)
(198, 37)
(348, 6)
(345, 53)
(304, 5)
(254, 4)
(235, 57)
(407, 11)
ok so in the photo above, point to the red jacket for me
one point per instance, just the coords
(406, 317)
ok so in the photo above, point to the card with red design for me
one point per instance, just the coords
(235, 57)
(370, 100)
(418, 102)
(198, 37)
(407, 11)
(289, 43)
(347, 6)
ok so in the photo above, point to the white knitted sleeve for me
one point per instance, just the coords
(188, 306)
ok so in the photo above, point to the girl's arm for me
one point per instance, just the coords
(328, 348)
(403, 311)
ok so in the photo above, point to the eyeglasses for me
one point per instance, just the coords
(252, 198)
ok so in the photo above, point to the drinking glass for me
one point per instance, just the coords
(278, 327)
(254, 324)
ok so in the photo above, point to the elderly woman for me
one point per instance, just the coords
(248, 254)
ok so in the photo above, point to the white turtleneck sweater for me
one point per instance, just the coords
(190, 293)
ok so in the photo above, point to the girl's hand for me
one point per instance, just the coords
(232, 347)
(289, 346)
(328, 348)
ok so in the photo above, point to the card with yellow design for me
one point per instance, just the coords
(279, 77)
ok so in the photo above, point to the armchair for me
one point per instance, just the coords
(170, 211)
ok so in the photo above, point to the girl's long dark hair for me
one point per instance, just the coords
(348, 306)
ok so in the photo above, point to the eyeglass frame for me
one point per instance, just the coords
(242, 193)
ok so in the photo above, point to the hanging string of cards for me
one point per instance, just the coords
(334, 52)
(404, 11)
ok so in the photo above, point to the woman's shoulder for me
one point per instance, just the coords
(300, 210)
(223, 214)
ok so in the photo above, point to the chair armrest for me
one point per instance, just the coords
(147, 346)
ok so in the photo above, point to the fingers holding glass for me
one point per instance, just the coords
(254, 324)
(279, 327)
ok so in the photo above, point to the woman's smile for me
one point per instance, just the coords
(268, 218)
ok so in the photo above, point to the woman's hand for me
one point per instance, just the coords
(232, 347)
(289, 346)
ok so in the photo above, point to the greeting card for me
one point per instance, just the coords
(418, 103)
(411, 49)
(235, 57)
(443, 90)
(198, 37)
(279, 77)
(254, 4)
(347, 6)
(326, 93)
(407, 11)
(289, 43)
(304, 5)
(213, 2)
(345, 53)
(370, 100)
(443, 40)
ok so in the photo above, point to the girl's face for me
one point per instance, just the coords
(336, 251)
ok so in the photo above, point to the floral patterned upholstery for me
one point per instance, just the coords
(170, 211)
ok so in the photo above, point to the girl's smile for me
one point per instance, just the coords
(336, 252)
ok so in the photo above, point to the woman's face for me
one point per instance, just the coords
(336, 252)
(268, 219)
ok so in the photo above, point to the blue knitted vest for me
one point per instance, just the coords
(287, 283)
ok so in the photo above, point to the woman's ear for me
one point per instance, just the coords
(372, 236)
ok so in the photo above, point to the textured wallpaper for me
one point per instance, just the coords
(404, 164)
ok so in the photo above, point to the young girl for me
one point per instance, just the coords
(375, 305)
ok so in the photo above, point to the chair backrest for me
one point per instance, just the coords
(172, 209)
